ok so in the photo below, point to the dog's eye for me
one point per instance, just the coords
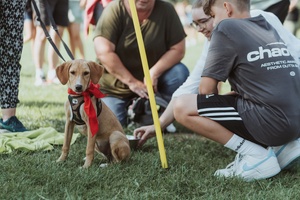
(86, 73)
(72, 72)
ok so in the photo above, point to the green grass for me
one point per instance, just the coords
(192, 160)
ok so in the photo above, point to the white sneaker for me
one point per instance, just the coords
(228, 171)
(39, 78)
(251, 168)
(171, 128)
(51, 77)
(288, 155)
(40, 81)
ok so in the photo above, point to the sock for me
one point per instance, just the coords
(243, 146)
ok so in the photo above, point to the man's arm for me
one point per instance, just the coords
(105, 52)
(208, 86)
(173, 56)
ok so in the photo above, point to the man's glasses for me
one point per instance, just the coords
(200, 24)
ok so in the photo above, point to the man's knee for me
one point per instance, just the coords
(184, 107)
(179, 110)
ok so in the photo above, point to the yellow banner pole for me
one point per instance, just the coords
(141, 46)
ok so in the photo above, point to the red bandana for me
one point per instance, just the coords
(93, 89)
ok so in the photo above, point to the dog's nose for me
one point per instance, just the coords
(78, 88)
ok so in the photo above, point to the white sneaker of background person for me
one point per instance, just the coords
(288, 155)
(39, 77)
(251, 167)
(51, 76)
(171, 128)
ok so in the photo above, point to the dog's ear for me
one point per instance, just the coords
(62, 72)
(96, 71)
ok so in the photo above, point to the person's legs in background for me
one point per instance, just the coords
(52, 55)
(74, 29)
(118, 107)
(291, 22)
(29, 28)
(60, 16)
(40, 43)
(98, 11)
(171, 80)
(38, 58)
(11, 45)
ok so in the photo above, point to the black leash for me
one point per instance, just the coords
(54, 27)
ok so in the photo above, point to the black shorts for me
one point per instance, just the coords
(223, 110)
(58, 8)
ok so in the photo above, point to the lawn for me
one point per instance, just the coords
(192, 160)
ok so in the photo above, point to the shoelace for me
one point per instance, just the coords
(233, 165)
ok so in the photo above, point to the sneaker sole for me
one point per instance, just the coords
(291, 163)
(6, 128)
(288, 162)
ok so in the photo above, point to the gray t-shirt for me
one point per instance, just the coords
(254, 59)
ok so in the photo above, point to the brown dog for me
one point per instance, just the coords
(110, 138)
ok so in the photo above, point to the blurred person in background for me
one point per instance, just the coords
(92, 12)
(75, 15)
(29, 28)
(59, 10)
(292, 20)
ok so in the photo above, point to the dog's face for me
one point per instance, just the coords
(78, 74)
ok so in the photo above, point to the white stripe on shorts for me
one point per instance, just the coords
(220, 113)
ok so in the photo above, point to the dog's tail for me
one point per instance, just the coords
(119, 145)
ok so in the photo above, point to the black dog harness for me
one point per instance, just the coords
(75, 103)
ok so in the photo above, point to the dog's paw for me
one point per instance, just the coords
(59, 160)
(62, 158)
(85, 166)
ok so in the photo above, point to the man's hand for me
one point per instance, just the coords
(144, 133)
(139, 88)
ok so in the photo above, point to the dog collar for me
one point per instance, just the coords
(92, 90)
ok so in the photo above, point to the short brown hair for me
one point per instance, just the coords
(207, 4)
(242, 5)
(197, 4)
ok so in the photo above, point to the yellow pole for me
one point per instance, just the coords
(141, 46)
